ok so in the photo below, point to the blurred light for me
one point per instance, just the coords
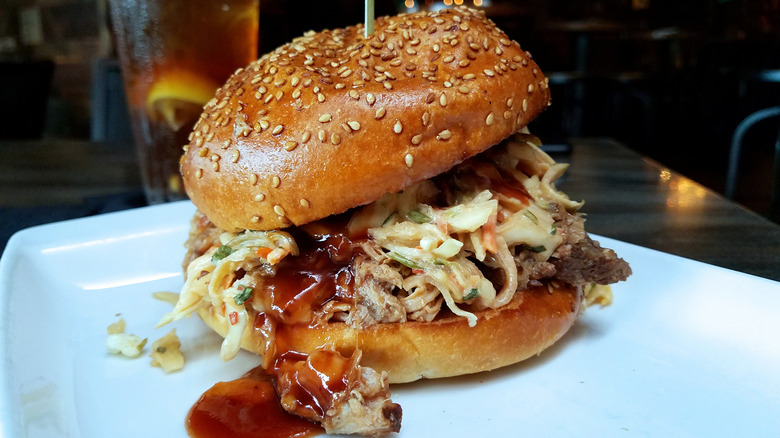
(684, 193)
(665, 175)
(477, 2)
(448, 2)
(409, 3)
(458, 2)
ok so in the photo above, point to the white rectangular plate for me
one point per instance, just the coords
(687, 349)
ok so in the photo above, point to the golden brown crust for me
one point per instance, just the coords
(331, 120)
(409, 351)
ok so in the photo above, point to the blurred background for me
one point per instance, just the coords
(670, 79)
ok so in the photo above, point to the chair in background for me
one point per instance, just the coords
(736, 151)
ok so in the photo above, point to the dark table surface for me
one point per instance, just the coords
(627, 197)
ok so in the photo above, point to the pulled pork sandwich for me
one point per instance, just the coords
(373, 210)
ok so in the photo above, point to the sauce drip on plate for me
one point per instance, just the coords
(247, 407)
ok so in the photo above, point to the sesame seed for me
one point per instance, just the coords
(525, 105)
(448, 59)
(305, 203)
(325, 118)
(260, 197)
(296, 93)
(264, 124)
(398, 127)
(203, 152)
(290, 145)
(509, 102)
(226, 144)
(463, 89)
(253, 179)
(469, 76)
(530, 88)
(306, 136)
(354, 94)
(279, 210)
(370, 98)
(335, 138)
(380, 112)
(320, 97)
(275, 181)
(489, 72)
(199, 173)
(277, 129)
(463, 63)
(294, 81)
(354, 125)
(489, 120)
(436, 48)
(426, 118)
(234, 156)
(507, 114)
(255, 219)
(388, 85)
(409, 160)
(443, 99)
(444, 135)
(215, 165)
(417, 139)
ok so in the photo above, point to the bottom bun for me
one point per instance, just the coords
(445, 347)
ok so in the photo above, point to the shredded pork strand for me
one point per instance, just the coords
(367, 408)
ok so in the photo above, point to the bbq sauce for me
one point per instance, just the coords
(250, 406)
(321, 273)
(246, 408)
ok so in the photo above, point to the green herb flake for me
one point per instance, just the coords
(553, 230)
(221, 252)
(243, 295)
(531, 217)
(403, 260)
(473, 293)
(388, 219)
(418, 217)
(535, 249)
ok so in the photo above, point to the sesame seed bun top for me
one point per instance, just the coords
(334, 120)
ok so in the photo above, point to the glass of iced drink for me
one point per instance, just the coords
(174, 54)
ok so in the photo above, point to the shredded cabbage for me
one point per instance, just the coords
(211, 280)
